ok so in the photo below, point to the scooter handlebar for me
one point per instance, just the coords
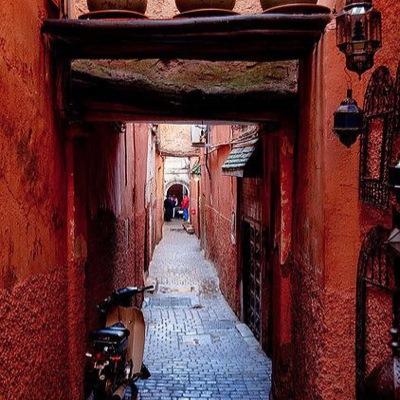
(119, 294)
(148, 288)
(104, 304)
(132, 290)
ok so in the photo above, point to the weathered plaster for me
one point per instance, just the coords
(331, 223)
(175, 140)
(179, 76)
(33, 305)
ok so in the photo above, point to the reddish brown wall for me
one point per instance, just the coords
(159, 206)
(112, 240)
(251, 198)
(330, 222)
(140, 143)
(33, 287)
(219, 197)
(195, 205)
(101, 211)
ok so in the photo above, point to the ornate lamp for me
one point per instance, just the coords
(348, 120)
(359, 34)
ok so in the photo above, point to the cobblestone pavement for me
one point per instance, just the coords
(195, 347)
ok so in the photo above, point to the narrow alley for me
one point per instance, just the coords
(196, 348)
(242, 156)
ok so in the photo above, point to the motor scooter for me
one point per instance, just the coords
(116, 350)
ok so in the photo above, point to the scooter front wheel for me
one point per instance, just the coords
(97, 394)
(133, 392)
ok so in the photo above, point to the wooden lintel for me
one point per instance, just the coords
(178, 154)
(93, 111)
(244, 37)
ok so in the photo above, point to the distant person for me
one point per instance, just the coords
(185, 207)
(168, 207)
(175, 206)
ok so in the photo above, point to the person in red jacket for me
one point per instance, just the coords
(185, 207)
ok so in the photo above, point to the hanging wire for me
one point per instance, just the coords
(203, 131)
(348, 79)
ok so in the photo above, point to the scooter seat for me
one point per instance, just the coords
(110, 334)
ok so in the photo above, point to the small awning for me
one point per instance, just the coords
(196, 169)
(243, 160)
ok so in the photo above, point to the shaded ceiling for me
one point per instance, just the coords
(178, 87)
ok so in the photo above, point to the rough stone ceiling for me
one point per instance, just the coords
(207, 77)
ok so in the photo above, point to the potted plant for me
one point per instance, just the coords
(191, 5)
(138, 6)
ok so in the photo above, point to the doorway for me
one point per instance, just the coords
(178, 190)
(252, 277)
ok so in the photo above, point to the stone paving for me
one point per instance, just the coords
(195, 346)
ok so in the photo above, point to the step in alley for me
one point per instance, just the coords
(196, 348)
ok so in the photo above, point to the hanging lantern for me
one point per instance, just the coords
(348, 120)
(359, 34)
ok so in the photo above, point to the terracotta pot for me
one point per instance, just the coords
(266, 4)
(131, 5)
(189, 5)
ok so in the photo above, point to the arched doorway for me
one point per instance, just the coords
(177, 189)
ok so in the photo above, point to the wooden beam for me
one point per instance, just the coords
(244, 37)
(92, 112)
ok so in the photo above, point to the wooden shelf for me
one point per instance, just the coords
(260, 37)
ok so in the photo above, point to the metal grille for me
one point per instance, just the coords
(377, 138)
(252, 260)
(374, 270)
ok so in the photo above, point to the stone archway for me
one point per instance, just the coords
(184, 186)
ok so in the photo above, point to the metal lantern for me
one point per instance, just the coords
(359, 34)
(348, 120)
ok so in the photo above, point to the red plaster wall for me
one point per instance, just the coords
(195, 189)
(330, 222)
(33, 290)
(113, 207)
(111, 244)
(195, 205)
(159, 206)
(219, 198)
(279, 160)
(251, 198)
(141, 140)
